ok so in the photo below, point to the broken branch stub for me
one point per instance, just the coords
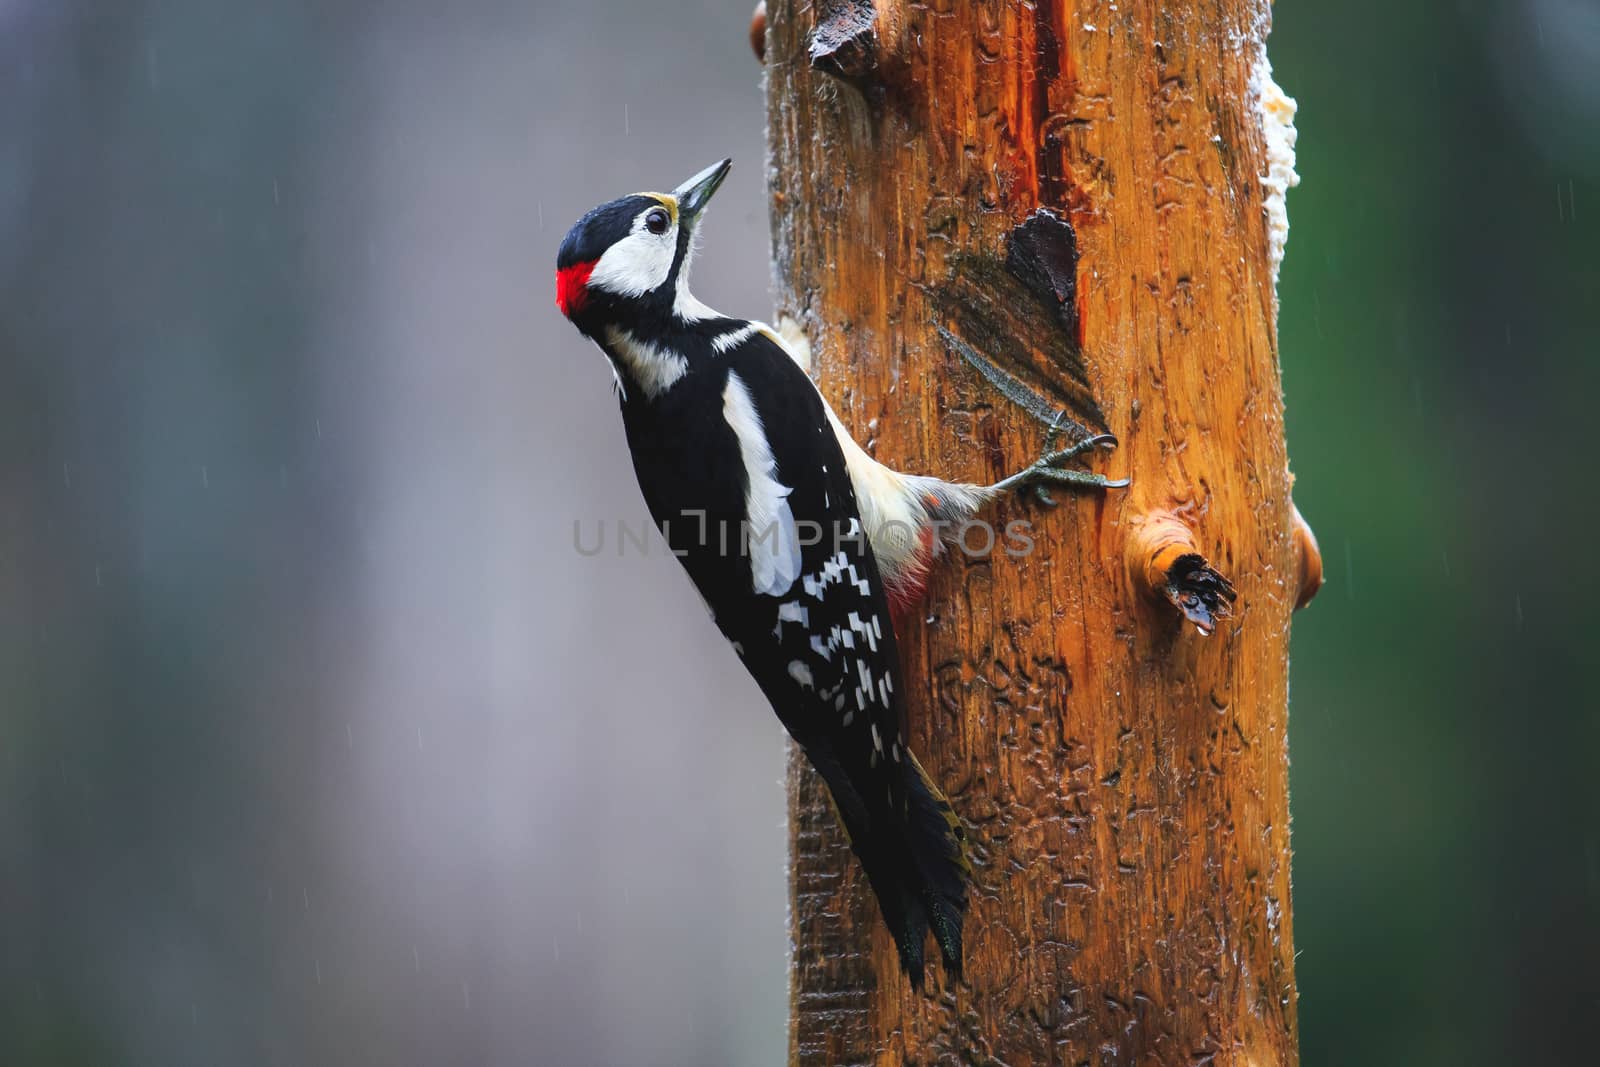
(1166, 566)
(758, 31)
(1309, 557)
(845, 41)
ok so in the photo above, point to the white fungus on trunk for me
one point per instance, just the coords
(1276, 109)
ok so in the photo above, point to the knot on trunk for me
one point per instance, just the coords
(1042, 253)
(844, 42)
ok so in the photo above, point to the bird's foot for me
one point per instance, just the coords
(1047, 471)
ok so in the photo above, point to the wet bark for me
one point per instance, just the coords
(988, 217)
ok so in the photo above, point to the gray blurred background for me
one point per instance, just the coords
(320, 744)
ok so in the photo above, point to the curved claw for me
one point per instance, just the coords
(1082, 479)
(1088, 444)
(1047, 469)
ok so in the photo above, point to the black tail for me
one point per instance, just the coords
(912, 851)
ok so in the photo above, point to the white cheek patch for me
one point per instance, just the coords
(637, 264)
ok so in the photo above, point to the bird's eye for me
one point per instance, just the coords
(657, 221)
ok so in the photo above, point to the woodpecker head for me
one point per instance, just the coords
(629, 260)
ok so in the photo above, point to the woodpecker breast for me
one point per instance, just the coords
(906, 516)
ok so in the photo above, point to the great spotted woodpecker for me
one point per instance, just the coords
(795, 537)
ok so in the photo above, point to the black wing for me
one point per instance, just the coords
(824, 654)
(819, 641)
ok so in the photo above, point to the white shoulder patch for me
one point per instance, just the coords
(774, 539)
(726, 342)
(655, 368)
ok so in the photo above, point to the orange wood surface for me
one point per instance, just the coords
(1124, 778)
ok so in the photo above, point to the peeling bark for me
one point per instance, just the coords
(992, 220)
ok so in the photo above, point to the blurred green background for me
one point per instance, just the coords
(1439, 348)
(314, 746)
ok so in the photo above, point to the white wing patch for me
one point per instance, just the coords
(774, 541)
(655, 368)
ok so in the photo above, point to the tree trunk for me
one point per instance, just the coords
(989, 217)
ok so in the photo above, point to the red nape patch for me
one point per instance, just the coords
(572, 287)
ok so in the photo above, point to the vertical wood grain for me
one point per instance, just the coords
(1124, 778)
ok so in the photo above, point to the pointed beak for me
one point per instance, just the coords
(694, 194)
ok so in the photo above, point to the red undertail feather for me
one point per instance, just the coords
(906, 588)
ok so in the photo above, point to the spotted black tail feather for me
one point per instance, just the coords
(938, 847)
(913, 857)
